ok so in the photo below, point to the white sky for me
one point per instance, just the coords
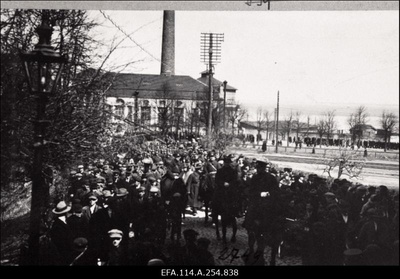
(314, 58)
(320, 55)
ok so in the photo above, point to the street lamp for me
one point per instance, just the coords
(43, 67)
(224, 83)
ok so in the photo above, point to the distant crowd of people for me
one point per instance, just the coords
(122, 212)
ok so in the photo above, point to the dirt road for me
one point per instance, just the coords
(375, 172)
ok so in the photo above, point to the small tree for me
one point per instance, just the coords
(330, 124)
(388, 122)
(346, 162)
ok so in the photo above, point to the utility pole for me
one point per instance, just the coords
(210, 88)
(277, 122)
(225, 82)
(211, 55)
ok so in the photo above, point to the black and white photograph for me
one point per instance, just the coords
(201, 137)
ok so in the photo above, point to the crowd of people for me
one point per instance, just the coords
(122, 212)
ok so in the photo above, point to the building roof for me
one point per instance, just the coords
(215, 82)
(363, 127)
(158, 86)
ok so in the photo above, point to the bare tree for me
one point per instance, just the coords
(321, 130)
(307, 127)
(388, 122)
(330, 124)
(297, 124)
(287, 126)
(357, 121)
(268, 121)
(235, 114)
(260, 122)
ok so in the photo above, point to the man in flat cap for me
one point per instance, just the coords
(118, 251)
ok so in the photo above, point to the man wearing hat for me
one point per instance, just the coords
(265, 208)
(82, 254)
(91, 208)
(118, 251)
(61, 233)
(78, 225)
(226, 200)
(188, 254)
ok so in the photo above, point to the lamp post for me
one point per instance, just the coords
(135, 116)
(43, 67)
(224, 83)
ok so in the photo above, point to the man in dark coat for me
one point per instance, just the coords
(226, 201)
(61, 234)
(263, 218)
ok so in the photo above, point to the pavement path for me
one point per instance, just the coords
(231, 254)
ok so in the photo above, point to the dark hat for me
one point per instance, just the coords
(151, 177)
(76, 208)
(261, 163)
(100, 180)
(175, 169)
(93, 197)
(121, 192)
(136, 177)
(80, 244)
(190, 233)
(61, 208)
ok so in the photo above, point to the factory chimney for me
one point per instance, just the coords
(168, 44)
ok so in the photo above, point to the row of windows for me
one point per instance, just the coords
(145, 113)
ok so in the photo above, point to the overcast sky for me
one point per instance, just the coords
(318, 59)
(314, 58)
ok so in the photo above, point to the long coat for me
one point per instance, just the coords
(62, 237)
(192, 188)
(226, 199)
(263, 212)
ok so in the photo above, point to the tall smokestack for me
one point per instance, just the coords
(168, 44)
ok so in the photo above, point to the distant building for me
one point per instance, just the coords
(157, 102)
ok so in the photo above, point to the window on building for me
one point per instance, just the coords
(162, 103)
(146, 115)
(178, 112)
